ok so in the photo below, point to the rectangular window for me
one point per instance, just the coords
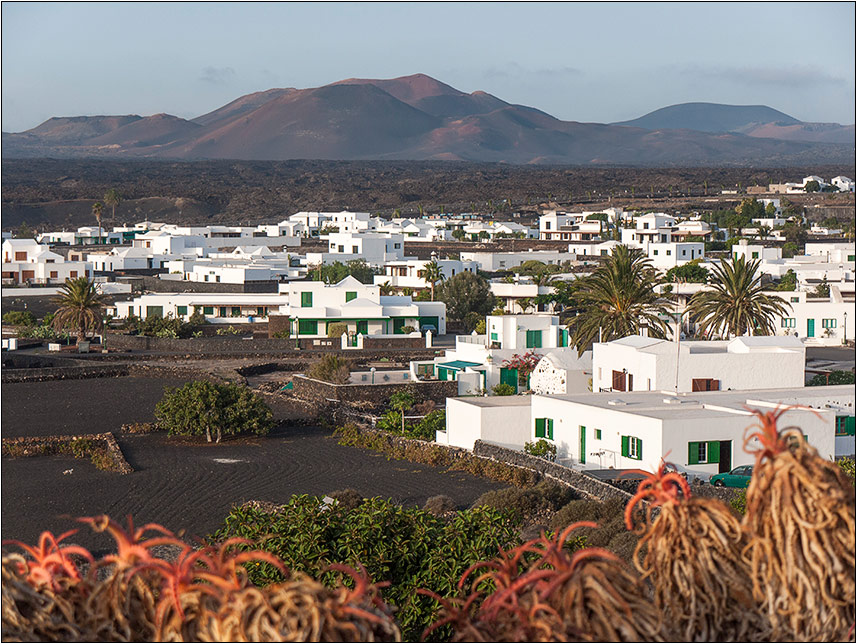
(794, 299)
(307, 327)
(236, 311)
(544, 428)
(222, 312)
(702, 453)
(828, 323)
(355, 250)
(845, 425)
(208, 310)
(494, 336)
(54, 274)
(72, 273)
(181, 310)
(534, 339)
(261, 311)
(598, 434)
(632, 447)
(306, 299)
(704, 384)
(654, 252)
(350, 295)
(669, 252)
(755, 255)
(787, 323)
(155, 311)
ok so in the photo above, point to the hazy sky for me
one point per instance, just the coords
(593, 62)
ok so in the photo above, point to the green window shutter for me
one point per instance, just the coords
(260, 310)
(625, 446)
(181, 310)
(598, 434)
(639, 449)
(849, 425)
(222, 311)
(350, 295)
(540, 427)
(208, 310)
(306, 299)
(713, 453)
(550, 428)
(537, 340)
(493, 336)
(236, 311)
(693, 453)
(307, 327)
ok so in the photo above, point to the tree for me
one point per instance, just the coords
(80, 308)
(336, 272)
(689, 272)
(112, 198)
(812, 186)
(790, 249)
(336, 329)
(795, 232)
(97, 209)
(736, 305)
(503, 389)
(764, 232)
(401, 401)
(525, 303)
(24, 232)
(458, 234)
(432, 274)
(617, 300)
(386, 288)
(751, 209)
(203, 407)
(788, 282)
(823, 289)
(331, 368)
(466, 293)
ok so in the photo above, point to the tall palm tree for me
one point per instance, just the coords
(736, 305)
(764, 232)
(112, 198)
(97, 209)
(432, 274)
(618, 300)
(386, 288)
(80, 308)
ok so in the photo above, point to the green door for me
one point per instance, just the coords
(582, 444)
(398, 323)
(509, 377)
(441, 373)
(363, 327)
(810, 328)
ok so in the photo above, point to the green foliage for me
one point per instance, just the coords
(80, 307)
(230, 330)
(790, 249)
(331, 368)
(480, 327)
(203, 407)
(24, 232)
(429, 425)
(466, 293)
(458, 234)
(836, 377)
(282, 334)
(788, 282)
(407, 329)
(812, 186)
(847, 465)
(19, 318)
(409, 547)
(739, 502)
(336, 272)
(689, 272)
(336, 329)
(823, 289)
(502, 389)
(155, 326)
(795, 232)
(542, 449)
(390, 421)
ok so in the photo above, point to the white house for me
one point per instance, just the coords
(637, 363)
(648, 229)
(123, 259)
(668, 255)
(563, 372)
(409, 273)
(518, 296)
(502, 261)
(834, 252)
(817, 321)
(755, 251)
(501, 420)
(27, 261)
(375, 249)
(843, 183)
(222, 308)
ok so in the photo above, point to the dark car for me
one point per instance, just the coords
(428, 327)
(738, 477)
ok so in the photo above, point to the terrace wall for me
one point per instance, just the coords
(377, 395)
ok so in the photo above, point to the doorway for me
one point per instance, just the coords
(725, 464)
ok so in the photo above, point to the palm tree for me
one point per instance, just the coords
(386, 288)
(80, 308)
(97, 209)
(764, 232)
(433, 274)
(618, 300)
(525, 303)
(112, 198)
(736, 304)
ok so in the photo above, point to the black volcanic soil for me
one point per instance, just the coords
(182, 485)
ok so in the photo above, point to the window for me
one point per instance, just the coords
(355, 250)
(306, 299)
(155, 311)
(181, 310)
(544, 428)
(397, 245)
(547, 225)
(72, 274)
(794, 299)
(223, 311)
(307, 327)
(845, 425)
(787, 323)
(534, 339)
(632, 447)
(669, 252)
(236, 311)
(208, 310)
(494, 336)
(702, 452)
(341, 248)
(261, 311)
(598, 434)
(828, 323)
(704, 384)
(683, 252)
(54, 274)
(851, 258)
(654, 252)
(20, 256)
(350, 295)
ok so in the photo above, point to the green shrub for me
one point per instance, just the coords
(331, 368)
(19, 318)
(230, 330)
(391, 422)
(739, 502)
(503, 389)
(847, 465)
(409, 547)
(407, 329)
(427, 428)
(836, 377)
(282, 334)
(542, 449)
(336, 329)
(528, 504)
(202, 407)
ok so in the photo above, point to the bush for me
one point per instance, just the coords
(439, 505)
(542, 449)
(202, 407)
(391, 422)
(409, 547)
(577, 510)
(503, 389)
(348, 499)
(847, 465)
(331, 368)
(529, 504)
(833, 378)
(19, 318)
(407, 329)
(282, 334)
(230, 330)
(427, 428)
(336, 329)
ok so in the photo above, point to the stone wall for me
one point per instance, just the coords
(393, 343)
(156, 285)
(277, 323)
(586, 486)
(376, 395)
(46, 445)
(63, 373)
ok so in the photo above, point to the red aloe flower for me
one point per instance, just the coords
(50, 560)
(657, 489)
(131, 548)
(773, 441)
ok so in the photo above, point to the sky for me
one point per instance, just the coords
(589, 62)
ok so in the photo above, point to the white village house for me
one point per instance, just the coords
(27, 261)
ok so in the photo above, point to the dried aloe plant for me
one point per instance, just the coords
(800, 528)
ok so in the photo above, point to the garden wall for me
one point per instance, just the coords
(581, 483)
(377, 395)
(63, 373)
(153, 283)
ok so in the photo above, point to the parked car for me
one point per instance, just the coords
(738, 477)
(428, 327)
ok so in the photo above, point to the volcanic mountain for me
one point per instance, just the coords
(420, 118)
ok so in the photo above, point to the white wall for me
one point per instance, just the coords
(505, 425)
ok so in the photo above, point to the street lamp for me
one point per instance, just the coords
(845, 328)
(373, 374)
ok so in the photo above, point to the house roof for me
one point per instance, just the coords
(458, 364)
(350, 280)
(569, 360)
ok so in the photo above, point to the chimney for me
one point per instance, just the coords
(644, 330)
